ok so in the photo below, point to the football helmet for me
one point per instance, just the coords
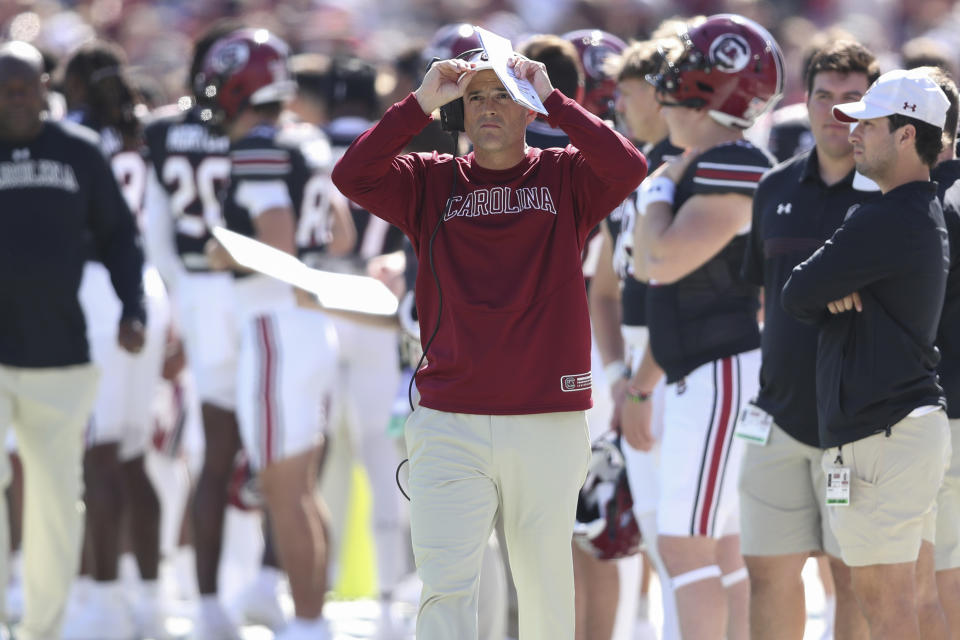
(594, 47)
(450, 41)
(729, 65)
(606, 527)
(247, 67)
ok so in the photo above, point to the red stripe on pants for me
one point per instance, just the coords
(726, 401)
(268, 365)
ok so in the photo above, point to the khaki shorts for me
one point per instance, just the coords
(782, 499)
(947, 551)
(893, 491)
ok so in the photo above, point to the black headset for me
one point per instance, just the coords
(451, 114)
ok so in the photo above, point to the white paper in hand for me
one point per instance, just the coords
(499, 50)
(339, 291)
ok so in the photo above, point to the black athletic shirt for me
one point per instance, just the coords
(191, 165)
(794, 213)
(58, 198)
(876, 366)
(710, 313)
(947, 174)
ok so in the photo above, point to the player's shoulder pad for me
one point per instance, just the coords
(732, 166)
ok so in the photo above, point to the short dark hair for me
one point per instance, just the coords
(929, 139)
(942, 77)
(842, 56)
(561, 59)
(926, 52)
(312, 73)
(99, 66)
(352, 85)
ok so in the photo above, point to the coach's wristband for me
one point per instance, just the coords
(659, 189)
(615, 371)
(638, 396)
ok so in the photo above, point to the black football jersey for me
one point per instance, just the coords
(126, 160)
(297, 155)
(710, 313)
(191, 164)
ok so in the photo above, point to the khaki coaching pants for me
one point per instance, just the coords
(49, 409)
(465, 470)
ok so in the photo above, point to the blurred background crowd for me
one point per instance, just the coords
(157, 35)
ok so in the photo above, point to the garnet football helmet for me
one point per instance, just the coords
(729, 65)
(594, 47)
(606, 527)
(247, 67)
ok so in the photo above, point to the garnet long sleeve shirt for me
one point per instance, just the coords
(514, 334)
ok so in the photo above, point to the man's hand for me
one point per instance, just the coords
(635, 418)
(131, 335)
(534, 72)
(445, 82)
(846, 303)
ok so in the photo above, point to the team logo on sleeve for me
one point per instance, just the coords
(730, 53)
(576, 382)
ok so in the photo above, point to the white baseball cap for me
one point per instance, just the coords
(909, 93)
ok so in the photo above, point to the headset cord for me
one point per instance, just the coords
(436, 280)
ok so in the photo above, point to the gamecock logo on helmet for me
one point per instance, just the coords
(730, 53)
(232, 56)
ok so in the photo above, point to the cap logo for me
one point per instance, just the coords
(912, 107)
(730, 53)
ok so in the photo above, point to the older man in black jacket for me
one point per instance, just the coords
(58, 203)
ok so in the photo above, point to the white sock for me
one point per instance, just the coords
(16, 566)
(309, 624)
(268, 580)
(150, 590)
(184, 571)
(105, 589)
(210, 607)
